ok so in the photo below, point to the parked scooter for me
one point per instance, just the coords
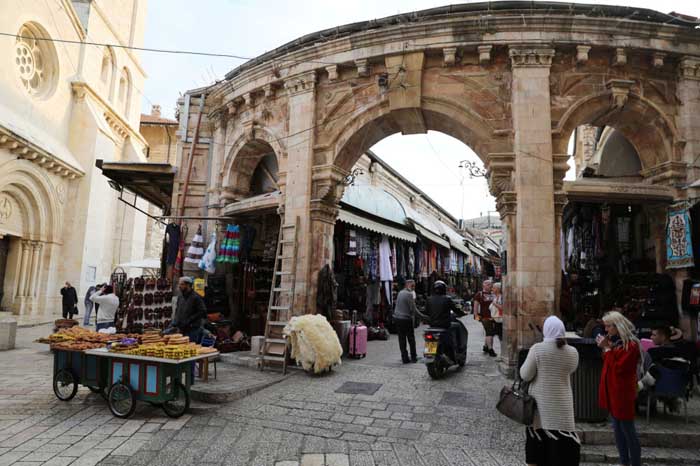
(438, 356)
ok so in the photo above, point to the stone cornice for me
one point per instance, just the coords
(300, 84)
(112, 117)
(530, 56)
(24, 149)
(689, 68)
(667, 172)
(583, 189)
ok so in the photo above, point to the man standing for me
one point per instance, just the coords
(109, 303)
(89, 305)
(481, 304)
(69, 301)
(404, 315)
(190, 311)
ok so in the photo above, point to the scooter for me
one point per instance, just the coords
(437, 355)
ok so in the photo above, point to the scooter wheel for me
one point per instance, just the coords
(436, 370)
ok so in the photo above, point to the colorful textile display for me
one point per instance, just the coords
(208, 260)
(679, 245)
(196, 249)
(229, 251)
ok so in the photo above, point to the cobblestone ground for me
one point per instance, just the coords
(401, 417)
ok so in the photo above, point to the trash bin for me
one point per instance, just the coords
(586, 379)
(8, 333)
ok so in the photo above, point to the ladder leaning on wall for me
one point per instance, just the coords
(275, 346)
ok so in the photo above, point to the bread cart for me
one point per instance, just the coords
(74, 367)
(158, 381)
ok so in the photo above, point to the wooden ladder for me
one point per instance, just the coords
(275, 346)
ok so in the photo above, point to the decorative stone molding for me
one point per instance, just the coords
(327, 183)
(362, 67)
(300, 84)
(324, 211)
(657, 59)
(268, 91)
(332, 71)
(24, 149)
(582, 53)
(668, 173)
(116, 125)
(530, 56)
(500, 167)
(560, 165)
(484, 53)
(689, 68)
(5, 208)
(450, 55)
(620, 91)
(560, 201)
(620, 58)
(507, 204)
(248, 99)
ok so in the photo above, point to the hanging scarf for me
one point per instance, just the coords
(679, 244)
(208, 260)
(196, 250)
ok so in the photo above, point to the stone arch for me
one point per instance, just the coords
(640, 121)
(370, 125)
(246, 153)
(33, 191)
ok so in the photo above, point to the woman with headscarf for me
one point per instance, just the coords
(622, 356)
(551, 440)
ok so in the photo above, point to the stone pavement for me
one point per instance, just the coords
(370, 412)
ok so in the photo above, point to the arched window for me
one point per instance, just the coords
(36, 60)
(124, 96)
(107, 70)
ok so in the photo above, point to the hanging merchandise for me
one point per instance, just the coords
(679, 245)
(385, 271)
(196, 250)
(230, 246)
(199, 286)
(352, 243)
(177, 268)
(172, 234)
(207, 262)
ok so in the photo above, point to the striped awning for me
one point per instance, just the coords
(368, 224)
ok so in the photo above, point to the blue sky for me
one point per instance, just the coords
(250, 28)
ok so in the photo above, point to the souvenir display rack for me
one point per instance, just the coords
(146, 304)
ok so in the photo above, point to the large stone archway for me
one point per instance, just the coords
(513, 88)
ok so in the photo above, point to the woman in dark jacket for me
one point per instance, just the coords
(618, 383)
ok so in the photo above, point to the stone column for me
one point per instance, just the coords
(217, 163)
(535, 282)
(688, 119)
(36, 267)
(301, 91)
(24, 268)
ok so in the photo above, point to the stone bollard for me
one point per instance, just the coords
(8, 333)
(256, 345)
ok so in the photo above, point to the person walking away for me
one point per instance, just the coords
(482, 302)
(89, 306)
(552, 439)
(190, 312)
(69, 301)
(109, 303)
(618, 383)
(496, 310)
(405, 314)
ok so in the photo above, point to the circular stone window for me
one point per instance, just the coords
(36, 60)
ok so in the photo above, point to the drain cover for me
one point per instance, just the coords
(359, 388)
(461, 400)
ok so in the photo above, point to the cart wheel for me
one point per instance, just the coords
(121, 400)
(181, 401)
(65, 385)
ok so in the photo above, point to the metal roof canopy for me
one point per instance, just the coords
(363, 222)
(150, 181)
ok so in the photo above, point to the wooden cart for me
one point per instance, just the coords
(159, 381)
(74, 367)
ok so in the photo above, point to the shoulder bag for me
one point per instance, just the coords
(516, 403)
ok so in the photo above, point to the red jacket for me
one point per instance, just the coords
(618, 384)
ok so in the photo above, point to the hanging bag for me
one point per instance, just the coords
(516, 403)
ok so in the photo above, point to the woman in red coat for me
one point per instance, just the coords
(618, 384)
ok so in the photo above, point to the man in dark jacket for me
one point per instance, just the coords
(438, 308)
(69, 301)
(190, 311)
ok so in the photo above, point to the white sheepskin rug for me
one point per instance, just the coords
(314, 342)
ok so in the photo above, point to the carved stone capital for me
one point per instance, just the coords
(450, 55)
(560, 165)
(332, 71)
(620, 91)
(689, 68)
(500, 167)
(362, 67)
(657, 60)
(328, 183)
(301, 83)
(620, 57)
(582, 53)
(507, 204)
(530, 56)
(560, 201)
(484, 53)
(324, 211)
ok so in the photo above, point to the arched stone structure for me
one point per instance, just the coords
(511, 80)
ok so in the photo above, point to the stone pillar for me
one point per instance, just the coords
(37, 248)
(535, 274)
(301, 90)
(687, 120)
(24, 268)
(217, 164)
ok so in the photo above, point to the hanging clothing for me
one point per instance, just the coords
(394, 272)
(385, 272)
(230, 246)
(196, 249)
(172, 235)
(327, 295)
(351, 243)
(411, 262)
(208, 261)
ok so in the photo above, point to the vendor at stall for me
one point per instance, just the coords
(190, 312)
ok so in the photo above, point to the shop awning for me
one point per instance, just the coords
(456, 240)
(150, 181)
(363, 222)
(429, 235)
(375, 201)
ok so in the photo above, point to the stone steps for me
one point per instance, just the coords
(607, 454)
(680, 435)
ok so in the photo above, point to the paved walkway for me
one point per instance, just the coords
(370, 412)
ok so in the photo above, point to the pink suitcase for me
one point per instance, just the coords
(357, 339)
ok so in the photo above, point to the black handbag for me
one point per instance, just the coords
(516, 403)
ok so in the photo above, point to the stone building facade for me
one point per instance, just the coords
(513, 83)
(62, 106)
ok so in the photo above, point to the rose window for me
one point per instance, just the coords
(34, 60)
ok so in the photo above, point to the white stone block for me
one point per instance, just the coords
(256, 344)
(8, 333)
